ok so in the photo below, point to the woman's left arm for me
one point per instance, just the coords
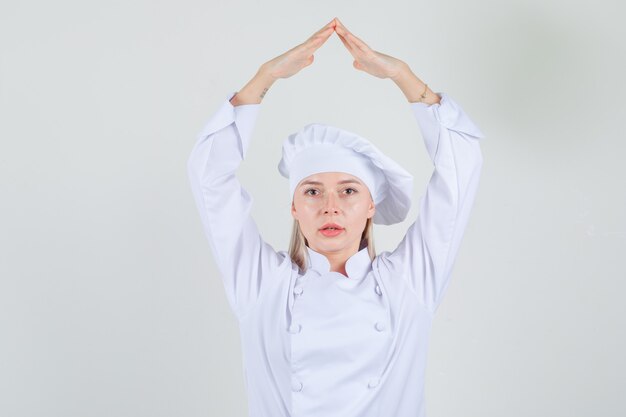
(414, 89)
(426, 254)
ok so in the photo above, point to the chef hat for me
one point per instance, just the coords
(321, 148)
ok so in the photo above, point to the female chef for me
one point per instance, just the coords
(330, 328)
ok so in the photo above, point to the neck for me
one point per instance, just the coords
(337, 260)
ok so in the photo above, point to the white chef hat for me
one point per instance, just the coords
(321, 148)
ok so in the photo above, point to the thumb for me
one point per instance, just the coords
(309, 61)
(356, 65)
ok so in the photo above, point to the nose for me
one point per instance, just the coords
(330, 204)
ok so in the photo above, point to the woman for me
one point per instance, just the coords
(329, 328)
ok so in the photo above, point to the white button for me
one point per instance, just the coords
(296, 385)
(373, 382)
(294, 328)
(297, 290)
(378, 291)
(379, 326)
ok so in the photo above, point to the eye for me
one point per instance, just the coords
(310, 189)
(355, 191)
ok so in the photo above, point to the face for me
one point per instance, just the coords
(332, 197)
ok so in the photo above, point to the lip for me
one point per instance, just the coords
(335, 225)
(331, 233)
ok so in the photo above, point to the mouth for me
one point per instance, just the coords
(331, 226)
(331, 230)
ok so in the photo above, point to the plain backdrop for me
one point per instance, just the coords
(110, 300)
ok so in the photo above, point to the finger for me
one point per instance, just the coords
(324, 33)
(310, 60)
(344, 34)
(318, 39)
(353, 40)
(345, 43)
(358, 42)
(342, 27)
(330, 24)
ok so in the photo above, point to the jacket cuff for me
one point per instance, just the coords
(243, 115)
(448, 113)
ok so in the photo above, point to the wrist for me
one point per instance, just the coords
(265, 75)
(414, 89)
(254, 91)
(403, 74)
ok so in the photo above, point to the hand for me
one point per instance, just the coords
(298, 57)
(368, 60)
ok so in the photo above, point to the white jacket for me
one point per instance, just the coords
(323, 344)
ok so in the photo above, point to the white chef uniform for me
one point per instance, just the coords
(323, 344)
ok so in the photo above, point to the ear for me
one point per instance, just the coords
(294, 213)
(371, 210)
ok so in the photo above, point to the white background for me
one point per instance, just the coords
(110, 301)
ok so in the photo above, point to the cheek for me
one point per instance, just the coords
(357, 207)
(306, 215)
(308, 208)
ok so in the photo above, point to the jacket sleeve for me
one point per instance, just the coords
(426, 254)
(246, 262)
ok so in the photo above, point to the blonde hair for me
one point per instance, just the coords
(299, 243)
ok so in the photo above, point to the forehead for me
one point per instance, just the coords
(330, 178)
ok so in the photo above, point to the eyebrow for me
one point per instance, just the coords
(309, 182)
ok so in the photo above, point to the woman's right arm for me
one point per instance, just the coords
(246, 262)
(254, 91)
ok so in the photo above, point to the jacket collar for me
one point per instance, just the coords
(357, 265)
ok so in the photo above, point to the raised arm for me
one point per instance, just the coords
(426, 254)
(247, 263)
